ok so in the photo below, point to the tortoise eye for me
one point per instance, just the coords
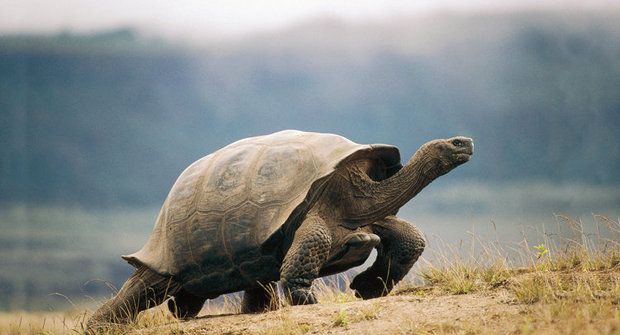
(457, 143)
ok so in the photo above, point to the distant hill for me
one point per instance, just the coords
(111, 119)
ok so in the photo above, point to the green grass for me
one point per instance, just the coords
(341, 319)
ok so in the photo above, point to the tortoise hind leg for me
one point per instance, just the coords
(185, 305)
(356, 249)
(261, 299)
(142, 290)
(401, 246)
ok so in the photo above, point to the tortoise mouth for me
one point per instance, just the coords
(462, 157)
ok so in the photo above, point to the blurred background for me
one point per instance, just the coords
(103, 104)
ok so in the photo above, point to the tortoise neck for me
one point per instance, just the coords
(392, 193)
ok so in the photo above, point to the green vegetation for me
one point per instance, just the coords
(342, 319)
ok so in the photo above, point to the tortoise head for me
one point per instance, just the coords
(443, 155)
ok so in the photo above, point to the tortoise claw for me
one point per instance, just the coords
(302, 296)
(299, 292)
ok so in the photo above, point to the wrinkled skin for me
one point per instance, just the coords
(354, 200)
(354, 215)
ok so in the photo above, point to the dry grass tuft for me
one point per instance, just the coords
(574, 286)
(40, 322)
(342, 319)
(368, 313)
(453, 273)
(334, 289)
(285, 325)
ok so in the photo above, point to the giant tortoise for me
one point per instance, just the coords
(290, 206)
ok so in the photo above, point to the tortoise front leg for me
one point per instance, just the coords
(401, 246)
(304, 259)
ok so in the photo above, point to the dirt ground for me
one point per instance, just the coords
(542, 302)
(398, 314)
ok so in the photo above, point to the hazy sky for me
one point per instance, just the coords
(226, 16)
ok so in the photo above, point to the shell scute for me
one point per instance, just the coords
(224, 207)
(227, 184)
(183, 193)
(239, 231)
(278, 171)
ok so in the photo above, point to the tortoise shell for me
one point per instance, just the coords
(224, 207)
